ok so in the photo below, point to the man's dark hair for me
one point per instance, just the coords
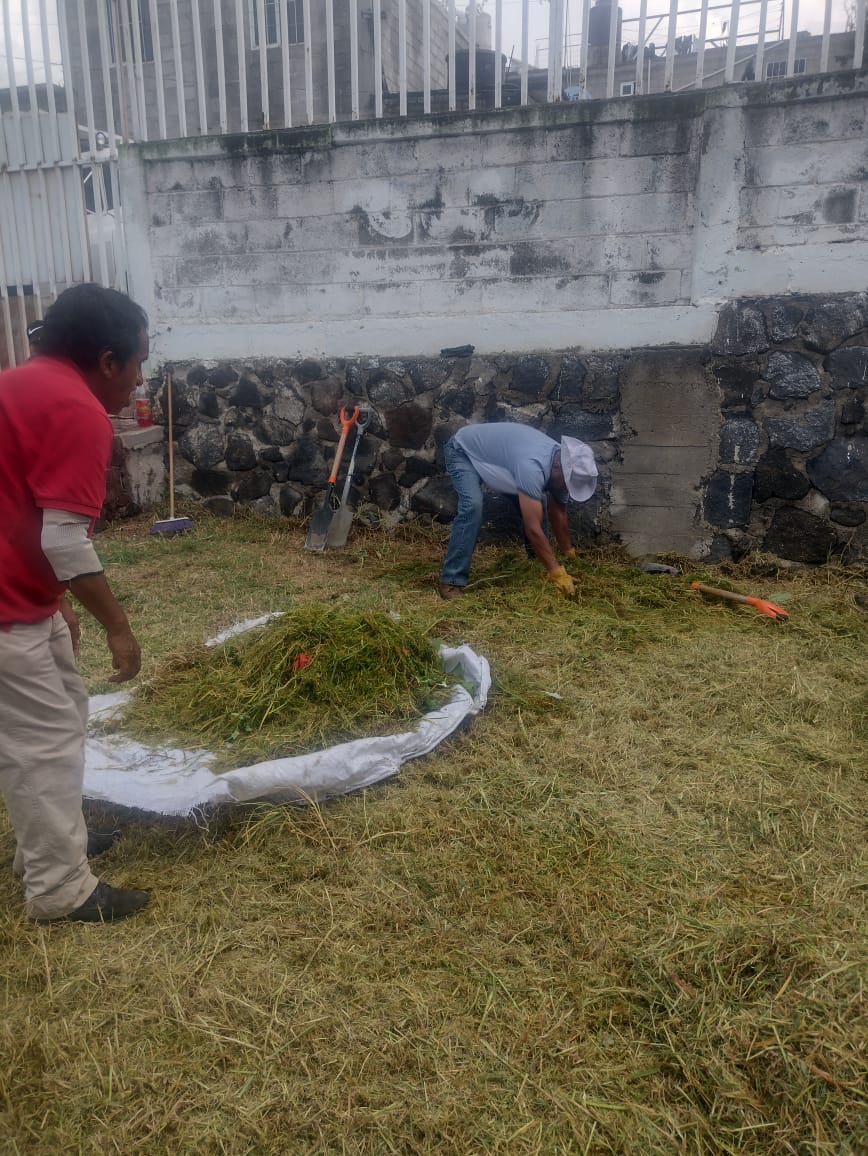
(88, 319)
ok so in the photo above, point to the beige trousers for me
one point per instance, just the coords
(43, 714)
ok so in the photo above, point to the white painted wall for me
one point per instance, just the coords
(597, 225)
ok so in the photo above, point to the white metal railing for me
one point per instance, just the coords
(75, 85)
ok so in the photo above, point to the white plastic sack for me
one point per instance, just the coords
(175, 782)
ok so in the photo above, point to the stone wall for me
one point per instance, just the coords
(758, 441)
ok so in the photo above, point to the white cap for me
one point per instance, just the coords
(579, 467)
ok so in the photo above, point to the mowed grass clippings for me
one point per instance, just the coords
(630, 918)
(317, 675)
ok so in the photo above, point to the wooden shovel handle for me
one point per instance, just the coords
(769, 609)
(346, 426)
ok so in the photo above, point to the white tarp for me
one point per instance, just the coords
(175, 782)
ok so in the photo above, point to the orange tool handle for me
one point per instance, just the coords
(346, 426)
(769, 609)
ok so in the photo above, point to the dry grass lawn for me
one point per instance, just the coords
(630, 919)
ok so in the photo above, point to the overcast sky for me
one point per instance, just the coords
(810, 19)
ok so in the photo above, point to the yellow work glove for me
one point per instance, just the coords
(571, 553)
(563, 581)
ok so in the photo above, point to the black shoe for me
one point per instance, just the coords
(98, 842)
(105, 904)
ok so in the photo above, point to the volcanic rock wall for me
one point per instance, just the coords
(758, 441)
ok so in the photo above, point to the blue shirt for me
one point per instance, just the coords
(509, 457)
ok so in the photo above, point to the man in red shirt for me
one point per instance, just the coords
(55, 445)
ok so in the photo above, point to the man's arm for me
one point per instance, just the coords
(70, 552)
(560, 525)
(532, 516)
(94, 593)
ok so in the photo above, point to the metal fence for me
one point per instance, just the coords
(107, 72)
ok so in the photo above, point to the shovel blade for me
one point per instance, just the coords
(339, 530)
(317, 532)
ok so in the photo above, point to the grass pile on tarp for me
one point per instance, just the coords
(313, 677)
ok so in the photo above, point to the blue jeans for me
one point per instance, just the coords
(465, 528)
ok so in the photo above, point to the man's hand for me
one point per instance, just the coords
(71, 619)
(126, 655)
(562, 581)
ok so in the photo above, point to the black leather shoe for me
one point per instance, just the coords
(105, 904)
(98, 842)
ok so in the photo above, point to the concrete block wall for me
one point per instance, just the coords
(604, 224)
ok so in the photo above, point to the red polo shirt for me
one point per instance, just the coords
(55, 448)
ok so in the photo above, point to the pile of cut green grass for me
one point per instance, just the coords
(314, 676)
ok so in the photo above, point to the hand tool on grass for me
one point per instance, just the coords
(319, 524)
(761, 604)
(171, 525)
(339, 530)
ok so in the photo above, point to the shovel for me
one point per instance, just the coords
(339, 530)
(769, 609)
(322, 519)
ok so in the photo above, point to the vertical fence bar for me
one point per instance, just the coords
(26, 181)
(426, 56)
(731, 42)
(31, 81)
(242, 65)
(556, 65)
(524, 49)
(761, 40)
(158, 70)
(354, 59)
(610, 63)
(6, 311)
(48, 231)
(179, 70)
(88, 87)
(286, 79)
(222, 110)
(13, 84)
(49, 79)
(794, 32)
(451, 54)
(263, 63)
(66, 247)
(402, 57)
(8, 200)
(859, 36)
(330, 58)
(125, 63)
(105, 64)
(700, 44)
(498, 53)
(378, 60)
(583, 49)
(824, 49)
(100, 221)
(639, 82)
(120, 241)
(139, 66)
(308, 63)
(200, 68)
(79, 212)
(65, 72)
(670, 45)
(471, 55)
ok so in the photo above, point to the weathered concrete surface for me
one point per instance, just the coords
(671, 414)
(595, 225)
